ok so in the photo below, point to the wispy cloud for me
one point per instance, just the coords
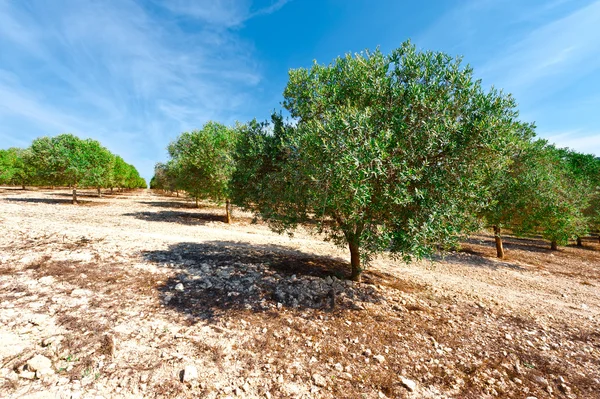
(583, 141)
(120, 73)
(222, 13)
(562, 50)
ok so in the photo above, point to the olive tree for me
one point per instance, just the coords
(203, 162)
(15, 167)
(538, 195)
(385, 153)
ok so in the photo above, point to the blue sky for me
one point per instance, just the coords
(135, 74)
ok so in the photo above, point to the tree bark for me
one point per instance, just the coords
(74, 195)
(579, 243)
(111, 190)
(355, 261)
(177, 192)
(228, 211)
(99, 192)
(22, 187)
(499, 247)
(554, 246)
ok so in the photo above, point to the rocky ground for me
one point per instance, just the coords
(142, 295)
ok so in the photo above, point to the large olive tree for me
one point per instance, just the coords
(385, 152)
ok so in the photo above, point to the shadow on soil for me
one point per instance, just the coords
(465, 257)
(187, 218)
(172, 204)
(53, 201)
(511, 243)
(221, 276)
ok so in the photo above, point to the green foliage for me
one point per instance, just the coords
(202, 162)
(67, 160)
(15, 167)
(390, 152)
(541, 194)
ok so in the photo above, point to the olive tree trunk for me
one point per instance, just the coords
(579, 242)
(228, 210)
(554, 246)
(74, 195)
(499, 246)
(99, 192)
(355, 261)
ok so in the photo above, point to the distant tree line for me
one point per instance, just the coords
(66, 160)
(403, 153)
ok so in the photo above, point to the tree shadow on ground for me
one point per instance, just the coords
(588, 244)
(93, 194)
(172, 204)
(514, 243)
(55, 201)
(186, 218)
(220, 277)
(470, 257)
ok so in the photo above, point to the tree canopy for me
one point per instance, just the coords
(201, 163)
(389, 152)
(67, 160)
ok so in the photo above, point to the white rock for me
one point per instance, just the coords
(319, 380)
(80, 292)
(379, 358)
(190, 373)
(29, 375)
(408, 384)
(179, 287)
(39, 362)
(47, 280)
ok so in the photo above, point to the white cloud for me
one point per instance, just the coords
(551, 56)
(222, 13)
(118, 72)
(582, 141)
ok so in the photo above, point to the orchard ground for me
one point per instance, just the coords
(142, 295)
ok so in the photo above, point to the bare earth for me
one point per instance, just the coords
(142, 295)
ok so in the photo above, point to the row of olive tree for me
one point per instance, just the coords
(201, 164)
(67, 160)
(402, 153)
(546, 191)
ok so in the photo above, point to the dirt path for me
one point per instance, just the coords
(141, 295)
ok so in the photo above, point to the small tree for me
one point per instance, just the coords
(101, 163)
(390, 153)
(203, 161)
(585, 172)
(15, 167)
(539, 195)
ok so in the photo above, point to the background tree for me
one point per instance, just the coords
(163, 178)
(390, 153)
(15, 167)
(539, 194)
(585, 170)
(101, 163)
(67, 160)
(204, 162)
